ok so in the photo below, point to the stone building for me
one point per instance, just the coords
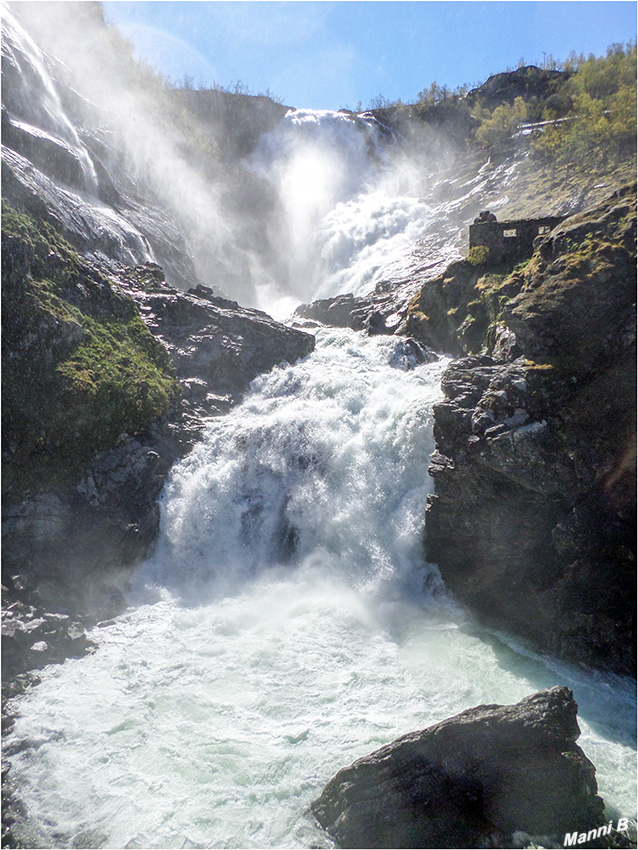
(510, 240)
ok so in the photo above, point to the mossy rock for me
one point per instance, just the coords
(576, 309)
(80, 368)
(462, 303)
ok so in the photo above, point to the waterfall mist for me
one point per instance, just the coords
(129, 103)
(322, 204)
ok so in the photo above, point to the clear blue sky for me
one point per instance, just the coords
(328, 55)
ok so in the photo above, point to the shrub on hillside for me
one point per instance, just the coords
(602, 120)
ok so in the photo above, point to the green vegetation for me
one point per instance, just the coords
(601, 121)
(80, 368)
(457, 311)
(496, 128)
(478, 255)
(588, 110)
(464, 310)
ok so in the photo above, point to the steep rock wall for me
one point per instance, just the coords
(533, 518)
(110, 372)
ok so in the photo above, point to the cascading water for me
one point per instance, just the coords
(285, 626)
(358, 205)
(340, 214)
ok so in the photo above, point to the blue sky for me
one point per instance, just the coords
(328, 55)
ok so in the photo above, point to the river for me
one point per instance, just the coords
(285, 626)
(286, 623)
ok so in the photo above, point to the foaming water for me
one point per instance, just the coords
(358, 206)
(285, 627)
(349, 204)
(328, 456)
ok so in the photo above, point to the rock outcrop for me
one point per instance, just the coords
(471, 781)
(235, 121)
(532, 521)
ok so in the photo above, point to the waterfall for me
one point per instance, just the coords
(285, 626)
(360, 206)
(60, 170)
(41, 101)
(349, 205)
(286, 623)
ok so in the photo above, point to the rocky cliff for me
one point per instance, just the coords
(115, 353)
(533, 518)
(532, 521)
(107, 381)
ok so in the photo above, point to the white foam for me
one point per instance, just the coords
(215, 720)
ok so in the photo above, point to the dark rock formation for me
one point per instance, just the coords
(343, 311)
(533, 518)
(470, 781)
(217, 346)
(236, 121)
(375, 313)
(527, 82)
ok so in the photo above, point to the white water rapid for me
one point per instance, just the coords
(286, 626)
(350, 208)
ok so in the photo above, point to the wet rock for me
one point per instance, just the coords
(471, 781)
(33, 638)
(383, 311)
(336, 312)
(217, 343)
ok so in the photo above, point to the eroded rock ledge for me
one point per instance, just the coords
(471, 781)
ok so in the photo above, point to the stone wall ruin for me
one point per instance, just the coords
(510, 240)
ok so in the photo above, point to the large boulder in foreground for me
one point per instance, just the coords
(470, 781)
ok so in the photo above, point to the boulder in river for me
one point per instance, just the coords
(472, 780)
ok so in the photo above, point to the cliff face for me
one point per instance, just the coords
(108, 379)
(235, 121)
(533, 518)
(532, 522)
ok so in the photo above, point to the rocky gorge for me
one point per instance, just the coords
(532, 520)
(122, 346)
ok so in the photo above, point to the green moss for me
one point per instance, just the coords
(478, 255)
(79, 366)
(462, 305)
